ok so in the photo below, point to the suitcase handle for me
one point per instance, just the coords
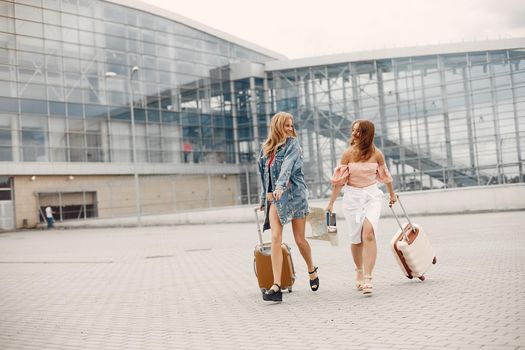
(406, 216)
(259, 231)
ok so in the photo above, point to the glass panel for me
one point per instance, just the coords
(57, 139)
(4, 195)
(8, 89)
(76, 135)
(52, 33)
(28, 13)
(7, 24)
(75, 110)
(6, 154)
(86, 7)
(8, 104)
(114, 13)
(33, 106)
(69, 6)
(114, 29)
(69, 20)
(71, 50)
(30, 60)
(498, 61)
(7, 56)
(30, 44)
(116, 43)
(120, 140)
(8, 40)
(71, 64)
(57, 108)
(51, 17)
(35, 3)
(52, 4)
(87, 24)
(96, 139)
(153, 116)
(95, 111)
(5, 138)
(33, 91)
(28, 28)
(34, 144)
(7, 9)
(5, 182)
(54, 65)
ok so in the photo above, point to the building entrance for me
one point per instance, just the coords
(68, 205)
(7, 216)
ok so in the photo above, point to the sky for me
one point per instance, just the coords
(308, 28)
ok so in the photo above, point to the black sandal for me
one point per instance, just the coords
(314, 284)
(273, 295)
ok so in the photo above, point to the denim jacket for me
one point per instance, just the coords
(286, 174)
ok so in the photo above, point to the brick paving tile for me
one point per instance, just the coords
(193, 287)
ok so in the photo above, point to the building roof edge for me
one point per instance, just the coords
(500, 44)
(139, 5)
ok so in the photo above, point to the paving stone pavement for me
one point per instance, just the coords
(193, 287)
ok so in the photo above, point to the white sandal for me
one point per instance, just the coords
(367, 286)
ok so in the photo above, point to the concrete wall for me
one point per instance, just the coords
(463, 200)
(115, 195)
(457, 201)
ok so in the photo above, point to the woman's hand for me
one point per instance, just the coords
(261, 208)
(329, 207)
(277, 194)
(393, 199)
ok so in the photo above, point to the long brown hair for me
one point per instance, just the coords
(363, 147)
(277, 135)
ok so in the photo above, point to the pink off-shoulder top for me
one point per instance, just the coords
(360, 174)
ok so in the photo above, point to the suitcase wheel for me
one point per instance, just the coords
(289, 289)
(409, 277)
(434, 260)
(422, 278)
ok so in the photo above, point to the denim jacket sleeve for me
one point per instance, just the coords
(260, 165)
(291, 155)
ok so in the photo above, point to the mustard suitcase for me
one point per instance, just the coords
(262, 263)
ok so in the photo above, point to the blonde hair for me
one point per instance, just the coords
(277, 135)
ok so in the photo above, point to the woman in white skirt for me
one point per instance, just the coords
(362, 166)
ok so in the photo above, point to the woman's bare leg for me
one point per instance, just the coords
(357, 255)
(369, 255)
(369, 248)
(298, 227)
(277, 238)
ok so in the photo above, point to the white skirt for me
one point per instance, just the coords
(361, 203)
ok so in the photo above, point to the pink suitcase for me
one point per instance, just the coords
(411, 248)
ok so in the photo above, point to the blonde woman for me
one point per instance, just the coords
(362, 166)
(284, 195)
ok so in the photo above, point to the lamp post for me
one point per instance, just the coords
(133, 142)
(501, 164)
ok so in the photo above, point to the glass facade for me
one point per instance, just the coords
(442, 121)
(58, 104)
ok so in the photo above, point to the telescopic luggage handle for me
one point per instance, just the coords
(259, 231)
(406, 216)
